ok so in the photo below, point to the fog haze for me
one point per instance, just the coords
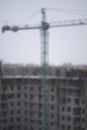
(66, 45)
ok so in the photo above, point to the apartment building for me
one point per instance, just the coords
(21, 103)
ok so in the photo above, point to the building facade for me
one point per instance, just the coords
(21, 103)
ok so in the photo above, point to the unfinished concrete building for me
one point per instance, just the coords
(21, 103)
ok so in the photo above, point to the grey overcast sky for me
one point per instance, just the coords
(66, 45)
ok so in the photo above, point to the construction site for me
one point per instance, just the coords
(44, 100)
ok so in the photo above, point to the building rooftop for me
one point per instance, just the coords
(39, 77)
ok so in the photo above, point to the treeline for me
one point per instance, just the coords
(19, 69)
(64, 70)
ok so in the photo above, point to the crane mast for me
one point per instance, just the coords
(44, 69)
(44, 57)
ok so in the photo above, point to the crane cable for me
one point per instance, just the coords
(70, 11)
(31, 16)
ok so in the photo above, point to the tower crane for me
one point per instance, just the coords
(44, 27)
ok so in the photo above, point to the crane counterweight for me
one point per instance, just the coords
(14, 28)
(5, 28)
